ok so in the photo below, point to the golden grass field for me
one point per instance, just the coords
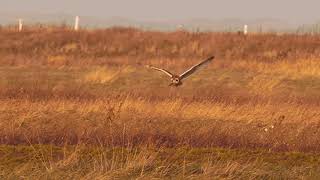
(83, 105)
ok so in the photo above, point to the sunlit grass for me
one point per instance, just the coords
(97, 112)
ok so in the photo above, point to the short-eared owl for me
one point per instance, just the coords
(176, 79)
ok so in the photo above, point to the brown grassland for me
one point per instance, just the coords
(83, 105)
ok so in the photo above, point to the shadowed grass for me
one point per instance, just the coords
(38, 162)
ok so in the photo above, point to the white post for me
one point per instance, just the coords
(245, 29)
(76, 23)
(20, 25)
(180, 27)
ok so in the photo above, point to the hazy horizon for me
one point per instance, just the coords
(294, 11)
(214, 15)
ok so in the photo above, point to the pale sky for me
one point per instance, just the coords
(291, 10)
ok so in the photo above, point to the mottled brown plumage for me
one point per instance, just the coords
(176, 79)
